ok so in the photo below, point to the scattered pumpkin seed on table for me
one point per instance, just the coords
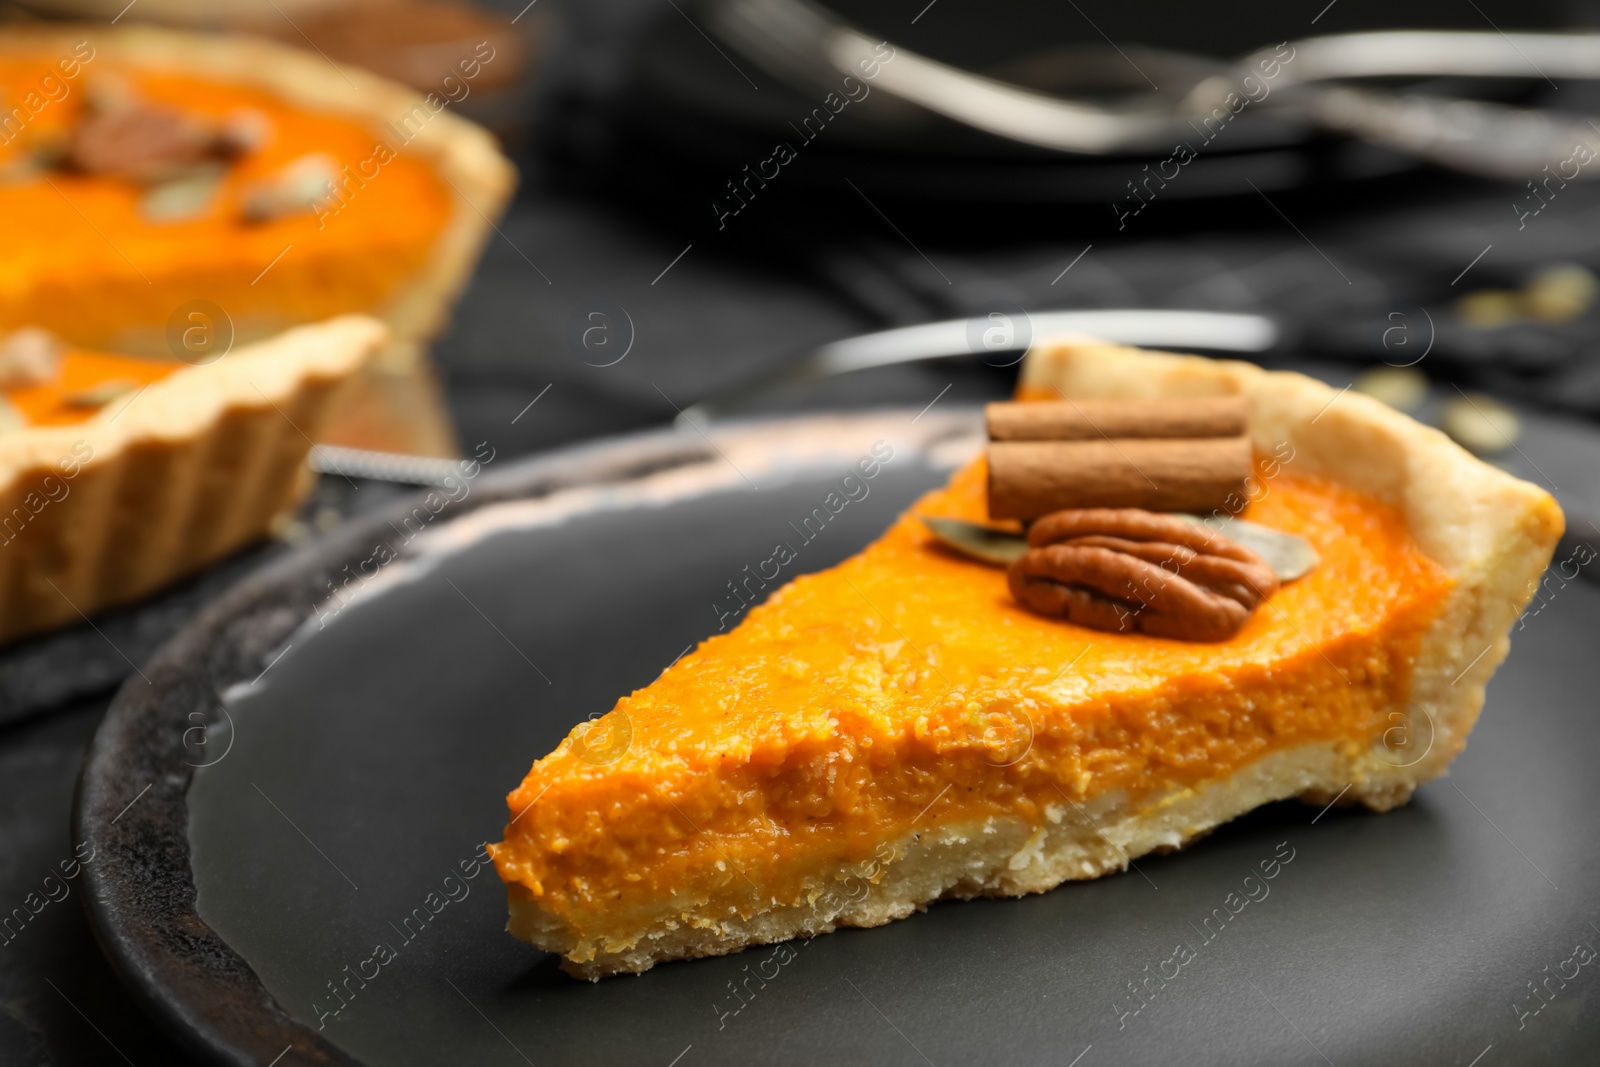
(1480, 424)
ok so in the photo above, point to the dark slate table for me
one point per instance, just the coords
(706, 308)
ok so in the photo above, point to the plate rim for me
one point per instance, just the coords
(141, 898)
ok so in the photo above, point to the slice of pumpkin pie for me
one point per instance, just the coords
(915, 724)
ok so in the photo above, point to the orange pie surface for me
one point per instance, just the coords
(905, 689)
(58, 402)
(81, 259)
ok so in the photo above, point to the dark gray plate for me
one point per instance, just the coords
(357, 753)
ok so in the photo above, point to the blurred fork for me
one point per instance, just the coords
(807, 46)
(1213, 331)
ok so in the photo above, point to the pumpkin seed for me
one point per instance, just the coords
(1290, 556)
(10, 417)
(1000, 547)
(302, 188)
(187, 196)
(98, 396)
(1480, 425)
(29, 356)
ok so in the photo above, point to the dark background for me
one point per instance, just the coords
(636, 122)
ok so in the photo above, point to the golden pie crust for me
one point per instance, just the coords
(158, 485)
(1473, 541)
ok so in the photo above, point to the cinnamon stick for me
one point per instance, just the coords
(1028, 479)
(1089, 420)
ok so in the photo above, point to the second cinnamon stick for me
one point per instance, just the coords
(1028, 479)
(1088, 420)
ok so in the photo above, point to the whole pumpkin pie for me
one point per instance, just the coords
(150, 176)
(120, 474)
(144, 169)
(900, 728)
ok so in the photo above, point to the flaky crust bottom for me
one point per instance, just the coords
(998, 857)
(1492, 533)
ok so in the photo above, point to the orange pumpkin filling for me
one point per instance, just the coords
(82, 258)
(906, 689)
(71, 397)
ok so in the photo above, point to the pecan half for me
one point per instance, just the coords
(139, 142)
(1126, 569)
(122, 135)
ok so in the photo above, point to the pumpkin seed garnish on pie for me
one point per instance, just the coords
(958, 731)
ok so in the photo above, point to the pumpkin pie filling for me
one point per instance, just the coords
(906, 691)
(366, 237)
(84, 382)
